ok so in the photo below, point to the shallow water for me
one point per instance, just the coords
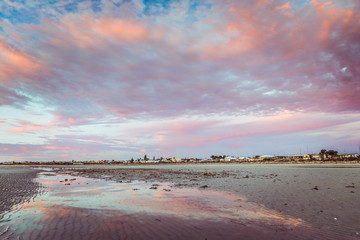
(86, 208)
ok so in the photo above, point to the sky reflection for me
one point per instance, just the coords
(98, 206)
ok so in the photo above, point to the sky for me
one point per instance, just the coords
(115, 79)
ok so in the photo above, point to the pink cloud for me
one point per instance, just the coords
(234, 59)
(201, 134)
(28, 127)
(256, 44)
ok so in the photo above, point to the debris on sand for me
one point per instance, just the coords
(315, 188)
(208, 174)
(153, 187)
(204, 186)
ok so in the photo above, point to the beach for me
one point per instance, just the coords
(186, 202)
(327, 196)
(17, 186)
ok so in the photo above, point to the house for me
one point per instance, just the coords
(229, 159)
(267, 157)
(316, 156)
(350, 155)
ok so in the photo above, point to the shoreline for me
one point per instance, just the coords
(352, 162)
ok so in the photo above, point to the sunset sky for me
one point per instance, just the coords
(115, 79)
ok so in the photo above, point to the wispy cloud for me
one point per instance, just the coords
(132, 63)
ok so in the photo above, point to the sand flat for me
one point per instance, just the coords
(190, 202)
(17, 185)
(326, 196)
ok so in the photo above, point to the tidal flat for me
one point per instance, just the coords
(183, 202)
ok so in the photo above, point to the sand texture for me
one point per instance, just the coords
(181, 202)
(325, 196)
(16, 186)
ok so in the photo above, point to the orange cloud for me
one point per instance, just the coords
(284, 7)
(119, 29)
(89, 31)
(15, 62)
(320, 6)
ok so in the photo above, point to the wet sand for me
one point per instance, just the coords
(87, 208)
(79, 223)
(16, 186)
(182, 202)
(325, 196)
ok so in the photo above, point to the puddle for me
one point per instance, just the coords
(85, 208)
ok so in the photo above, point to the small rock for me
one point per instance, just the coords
(203, 186)
(167, 190)
(153, 188)
(315, 188)
(208, 174)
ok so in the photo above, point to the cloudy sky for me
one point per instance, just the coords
(115, 79)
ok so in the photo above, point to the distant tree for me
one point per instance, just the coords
(332, 153)
(322, 152)
(132, 160)
(154, 158)
(145, 157)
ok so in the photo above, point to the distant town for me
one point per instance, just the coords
(324, 156)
